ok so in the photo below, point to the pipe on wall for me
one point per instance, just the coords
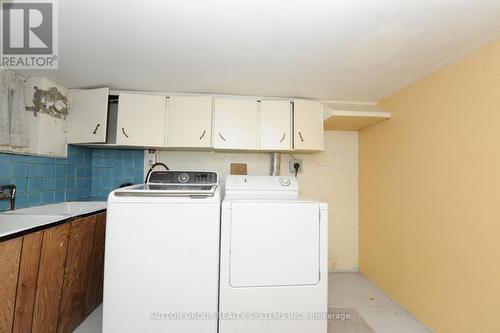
(275, 163)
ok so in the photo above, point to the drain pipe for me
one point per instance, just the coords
(275, 163)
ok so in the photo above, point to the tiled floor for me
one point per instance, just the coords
(354, 293)
(93, 323)
(370, 310)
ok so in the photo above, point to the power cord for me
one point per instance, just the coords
(151, 169)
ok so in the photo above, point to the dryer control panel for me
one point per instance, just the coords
(275, 186)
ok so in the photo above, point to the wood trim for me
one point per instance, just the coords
(93, 296)
(10, 253)
(50, 279)
(76, 274)
(26, 285)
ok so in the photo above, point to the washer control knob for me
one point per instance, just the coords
(284, 181)
(183, 177)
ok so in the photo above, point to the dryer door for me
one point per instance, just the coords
(274, 244)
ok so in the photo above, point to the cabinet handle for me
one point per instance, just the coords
(96, 127)
(222, 137)
(301, 138)
(123, 131)
(203, 134)
(283, 138)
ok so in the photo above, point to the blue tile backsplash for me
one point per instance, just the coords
(112, 168)
(87, 173)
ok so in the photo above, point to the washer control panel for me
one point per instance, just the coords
(183, 177)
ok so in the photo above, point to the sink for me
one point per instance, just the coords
(10, 223)
(18, 220)
(72, 208)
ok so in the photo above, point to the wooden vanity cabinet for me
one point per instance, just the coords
(52, 278)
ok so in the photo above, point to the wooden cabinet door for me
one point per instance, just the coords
(275, 125)
(235, 124)
(76, 274)
(88, 115)
(93, 295)
(141, 120)
(26, 286)
(10, 253)
(50, 279)
(308, 125)
(189, 121)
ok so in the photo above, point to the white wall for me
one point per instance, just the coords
(330, 176)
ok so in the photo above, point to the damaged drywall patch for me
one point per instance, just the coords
(47, 107)
(50, 101)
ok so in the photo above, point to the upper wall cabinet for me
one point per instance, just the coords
(308, 125)
(275, 125)
(141, 120)
(189, 122)
(87, 115)
(235, 124)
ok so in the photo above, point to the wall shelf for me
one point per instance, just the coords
(352, 116)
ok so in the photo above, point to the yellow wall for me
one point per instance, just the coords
(430, 197)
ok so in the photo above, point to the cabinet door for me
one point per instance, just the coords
(141, 120)
(235, 124)
(26, 286)
(308, 125)
(87, 116)
(93, 296)
(275, 125)
(10, 252)
(189, 121)
(76, 274)
(50, 279)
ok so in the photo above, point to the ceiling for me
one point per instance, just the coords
(334, 50)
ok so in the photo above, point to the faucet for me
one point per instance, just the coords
(11, 195)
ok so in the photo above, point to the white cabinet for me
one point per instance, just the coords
(141, 120)
(48, 135)
(189, 122)
(87, 115)
(235, 124)
(308, 125)
(275, 125)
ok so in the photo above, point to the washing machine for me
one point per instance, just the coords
(274, 248)
(161, 271)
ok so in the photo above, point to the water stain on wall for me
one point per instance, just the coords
(50, 101)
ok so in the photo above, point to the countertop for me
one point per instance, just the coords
(21, 221)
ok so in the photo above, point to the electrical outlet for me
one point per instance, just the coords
(291, 165)
(152, 156)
